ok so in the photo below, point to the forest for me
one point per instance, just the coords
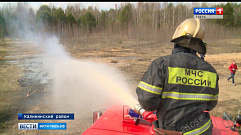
(143, 21)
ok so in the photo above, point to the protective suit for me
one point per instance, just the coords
(181, 86)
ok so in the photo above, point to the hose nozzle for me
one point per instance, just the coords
(138, 109)
(141, 111)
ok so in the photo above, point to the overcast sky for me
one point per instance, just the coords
(100, 5)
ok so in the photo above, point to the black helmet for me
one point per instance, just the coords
(238, 119)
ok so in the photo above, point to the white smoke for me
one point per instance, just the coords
(81, 85)
(84, 86)
(88, 86)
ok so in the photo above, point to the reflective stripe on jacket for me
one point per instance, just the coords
(180, 87)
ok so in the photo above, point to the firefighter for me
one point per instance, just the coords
(181, 86)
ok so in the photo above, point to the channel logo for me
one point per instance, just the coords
(27, 126)
(42, 126)
(208, 13)
(219, 11)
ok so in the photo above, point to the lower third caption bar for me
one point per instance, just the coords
(42, 126)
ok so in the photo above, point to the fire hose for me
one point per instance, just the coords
(141, 111)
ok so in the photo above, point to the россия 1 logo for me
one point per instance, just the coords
(208, 13)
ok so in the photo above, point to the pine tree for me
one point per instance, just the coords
(88, 20)
(228, 18)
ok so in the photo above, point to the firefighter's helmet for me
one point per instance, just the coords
(190, 34)
(189, 27)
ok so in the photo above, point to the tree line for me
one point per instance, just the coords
(127, 19)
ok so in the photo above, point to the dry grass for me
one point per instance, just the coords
(106, 48)
(11, 94)
(10, 91)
